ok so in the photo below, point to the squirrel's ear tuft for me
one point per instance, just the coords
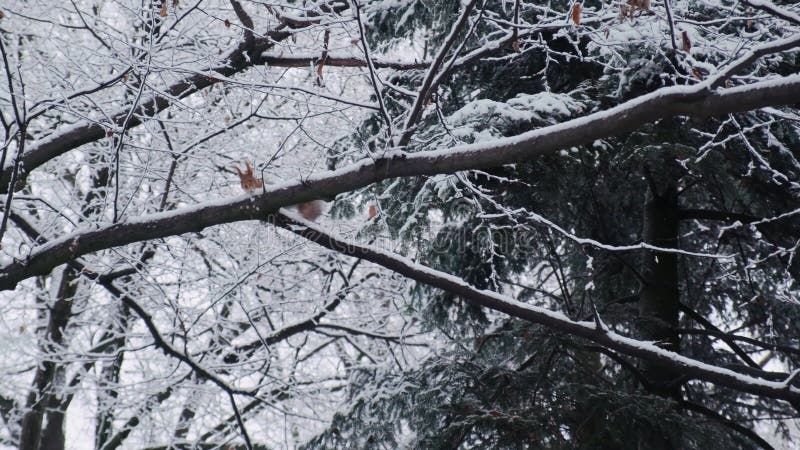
(249, 170)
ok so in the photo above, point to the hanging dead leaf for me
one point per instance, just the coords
(2, 15)
(576, 13)
(175, 3)
(355, 41)
(728, 84)
(227, 23)
(687, 43)
(515, 45)
(22, 329)
(163, 12)
(697, 74)
(372, 211)
(319, 69)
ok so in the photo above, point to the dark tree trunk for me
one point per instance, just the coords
(658, 301)
(41, 393)
(53, 433)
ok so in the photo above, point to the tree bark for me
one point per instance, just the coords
(41, 392)
(659, 300)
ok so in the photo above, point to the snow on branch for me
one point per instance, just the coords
(667, 102)
(552, 319)
(771, 8)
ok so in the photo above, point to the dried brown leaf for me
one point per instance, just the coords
(576, 13)
(319, 68)
(687, 43)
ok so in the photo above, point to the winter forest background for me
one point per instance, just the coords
(548, 224)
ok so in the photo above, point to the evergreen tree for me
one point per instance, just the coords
(560, 224)
(557, 231)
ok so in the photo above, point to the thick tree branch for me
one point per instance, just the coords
(722, 216)
(781, 45)
(557, 321)
(770, 8)
(339, 61)
(667, 102)
(247, 21)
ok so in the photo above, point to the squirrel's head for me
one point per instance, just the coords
(248, 180)
(248, 170)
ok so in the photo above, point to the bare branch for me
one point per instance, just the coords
(247, 21)
(432, 77)
(240, 58)
(725, 338)
(770, 8)
(373, 77)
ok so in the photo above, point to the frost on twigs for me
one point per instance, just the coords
(498, 175)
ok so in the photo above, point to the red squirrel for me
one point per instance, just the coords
(309, 210)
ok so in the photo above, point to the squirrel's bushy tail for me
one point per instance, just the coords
(310, 210)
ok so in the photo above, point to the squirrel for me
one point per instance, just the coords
(309, 210)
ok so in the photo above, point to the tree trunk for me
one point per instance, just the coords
(659, 299)
(41, 392)
(53, 433)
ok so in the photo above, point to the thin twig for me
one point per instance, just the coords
(19, 117)
(240, 422)
(722, 335)
(428, 84)
(372, 74)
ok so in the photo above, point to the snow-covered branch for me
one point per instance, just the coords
(663, 103)
(552, 319)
